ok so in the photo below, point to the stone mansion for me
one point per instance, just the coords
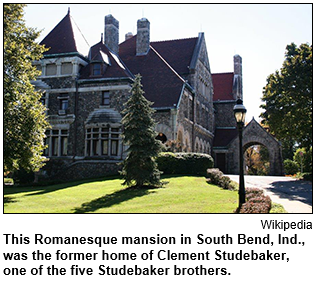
(84, 89)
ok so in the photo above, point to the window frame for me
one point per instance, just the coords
(105, 97)
(96, 67)
(99, 139)
(56, 140)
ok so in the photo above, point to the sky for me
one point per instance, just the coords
(259, 33)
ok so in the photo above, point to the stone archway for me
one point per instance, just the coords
(253, 133)
(254, 163)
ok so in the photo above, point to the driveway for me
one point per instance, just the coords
(296, 196)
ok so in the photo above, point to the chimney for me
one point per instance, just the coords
(111, 33)
(128, 35)
(238, 91)
(142, 43)
(237, 65)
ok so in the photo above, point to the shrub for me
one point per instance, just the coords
(184, 163)
(215, 176)
(277, 209)
(304, 176)
(225, 183)
(308, 176)
(256, 202)
(304, 157)
(253, 192)
(290, 167)
(23, 177)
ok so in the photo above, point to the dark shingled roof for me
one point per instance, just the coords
(162, 85)
(224, 136)
(223, 86)
(178, 53)
(62, 39)
(161, 69)
(116, 69)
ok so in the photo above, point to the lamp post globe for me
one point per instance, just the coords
(240, 116)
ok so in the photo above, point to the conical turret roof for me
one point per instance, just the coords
(66, 38)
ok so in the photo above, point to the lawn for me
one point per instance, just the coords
(185, 194)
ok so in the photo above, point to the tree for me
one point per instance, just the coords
(257, 160)
(140, 167)
(304, 158)
(288, 98)
(24, 119)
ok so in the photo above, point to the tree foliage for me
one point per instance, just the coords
(24, 116)
(140, 167)
(257, 160)
(288, 98)
(304, 158)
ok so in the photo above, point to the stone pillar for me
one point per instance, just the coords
(75, 69)
(111, 33)
(143, 34)
(58, 64)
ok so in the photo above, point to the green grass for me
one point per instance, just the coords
(185, 194)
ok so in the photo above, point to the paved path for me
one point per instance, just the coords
(296, 196)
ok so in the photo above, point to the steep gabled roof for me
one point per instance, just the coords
(178, 53)
(114, 67)
(223, 86)
(161, 82)
(66, 38)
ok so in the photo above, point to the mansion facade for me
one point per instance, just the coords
(85, 88)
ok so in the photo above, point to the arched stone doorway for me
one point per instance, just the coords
(256, 159)
(253, 133)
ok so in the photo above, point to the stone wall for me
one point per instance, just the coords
(224, 114)
(68, 170)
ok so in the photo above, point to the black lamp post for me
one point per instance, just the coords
(240, 115)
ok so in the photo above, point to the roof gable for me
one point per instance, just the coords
(161, 82)
(178, 53)
(65, 38)
(113, 65)
(223, 86)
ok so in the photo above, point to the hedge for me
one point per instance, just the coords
(184, 163)
(256, 202)
(216, 176)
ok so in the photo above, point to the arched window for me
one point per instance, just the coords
(162, 137)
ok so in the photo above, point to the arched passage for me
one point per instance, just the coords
(257, 161)
(253, 133)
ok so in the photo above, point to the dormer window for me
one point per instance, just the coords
(96, 69)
